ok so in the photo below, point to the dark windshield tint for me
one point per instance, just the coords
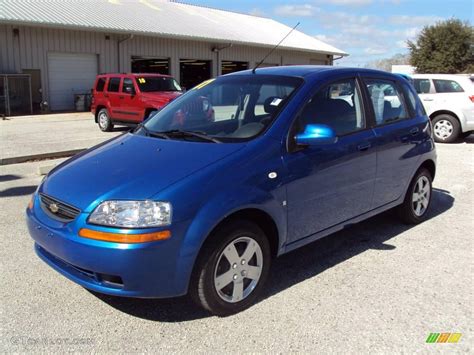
(153, 84)
(230, 108)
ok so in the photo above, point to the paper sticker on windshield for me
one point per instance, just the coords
(204, 83)
(276, 101)
(141, 80)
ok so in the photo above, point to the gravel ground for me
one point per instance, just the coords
(378, 286)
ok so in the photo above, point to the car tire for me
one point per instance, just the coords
(446, 128)
(104, 121)
(416, 204)
(221, 282)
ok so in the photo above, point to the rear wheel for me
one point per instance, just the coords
(104, 121)
(232, 269)
(446, 128)
(417, 201)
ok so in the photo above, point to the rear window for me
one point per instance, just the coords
(114, 84)
(100, 84)
(447, 86)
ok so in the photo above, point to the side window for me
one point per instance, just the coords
(114, 84)
(337, 105)
(443, 86)
(100, 84)
(387, 101)
(127, 86)
(422, 86)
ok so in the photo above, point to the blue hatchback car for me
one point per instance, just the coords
(241, 169)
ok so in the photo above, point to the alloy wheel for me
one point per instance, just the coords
(103, 120)
(238, 269)
(421, 196)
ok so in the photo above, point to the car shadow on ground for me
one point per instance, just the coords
(294, 267)
(18, 191)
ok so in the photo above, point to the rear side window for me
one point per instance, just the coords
(100, 84)
(387, 101)
(114, 84)
(443, 86)
(422, 86)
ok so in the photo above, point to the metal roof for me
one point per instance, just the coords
(159, 18)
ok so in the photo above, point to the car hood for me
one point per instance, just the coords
(160, 95)
(129, 167)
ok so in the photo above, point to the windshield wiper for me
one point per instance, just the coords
(176, 133)
(152, 133)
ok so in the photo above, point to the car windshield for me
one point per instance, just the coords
(228, 109)
(153, 84)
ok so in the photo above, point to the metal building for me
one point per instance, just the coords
(62, 45)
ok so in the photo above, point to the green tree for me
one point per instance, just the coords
(446, 47)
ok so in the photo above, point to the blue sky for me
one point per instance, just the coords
(367, 29)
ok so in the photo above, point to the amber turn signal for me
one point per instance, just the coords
(31, 203)
(124, 238)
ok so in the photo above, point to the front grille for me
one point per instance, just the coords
(57, 209)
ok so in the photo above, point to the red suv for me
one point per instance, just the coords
(130, 98)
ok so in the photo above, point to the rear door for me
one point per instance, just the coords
(398, 128)
(113, 97)
(425, 90)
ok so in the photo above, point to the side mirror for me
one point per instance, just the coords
(129, 90)
(316, 134)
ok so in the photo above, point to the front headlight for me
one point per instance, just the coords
(132, 214)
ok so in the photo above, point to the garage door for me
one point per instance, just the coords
(69, 74)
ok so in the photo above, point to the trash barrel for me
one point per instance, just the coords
(80, 102)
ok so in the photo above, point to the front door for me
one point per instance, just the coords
(130, 101)
(330, 184)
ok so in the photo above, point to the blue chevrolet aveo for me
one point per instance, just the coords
(203, 195)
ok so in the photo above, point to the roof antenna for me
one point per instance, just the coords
(268, 54)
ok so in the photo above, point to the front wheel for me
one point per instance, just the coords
(446, 128)
(232, 269)
(417, 201)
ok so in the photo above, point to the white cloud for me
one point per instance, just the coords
(414, 20)
(256, 12)
(347, 2)
(304, 10)
(375, 51)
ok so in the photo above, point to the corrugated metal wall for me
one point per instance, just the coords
(24, 47)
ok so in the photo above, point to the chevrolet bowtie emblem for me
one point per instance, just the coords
(53, 208)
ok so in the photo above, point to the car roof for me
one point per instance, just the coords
(309, 70)
(136, 75)
(440, 76)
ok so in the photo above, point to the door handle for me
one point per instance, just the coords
(364, 146)
(428, 99)
(105, 95)
(414, 131)
(121, 97)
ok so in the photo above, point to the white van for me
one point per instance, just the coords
(449, 102)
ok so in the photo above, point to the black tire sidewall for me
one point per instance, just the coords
(209, 260)
(456, 128)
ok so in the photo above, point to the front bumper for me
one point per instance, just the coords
(147, 270)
